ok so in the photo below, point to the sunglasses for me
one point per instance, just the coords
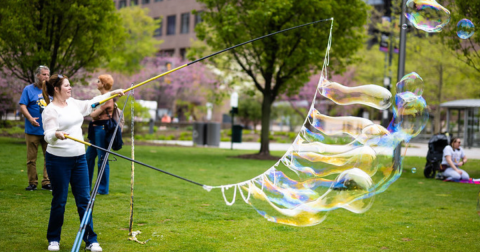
(58, 79)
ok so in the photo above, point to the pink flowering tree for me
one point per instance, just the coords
(10, 92)
(181, 91)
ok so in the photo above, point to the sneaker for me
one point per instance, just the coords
(95, 247)
(31, 188)
(53, 246)
(47, 187)
(439, 176)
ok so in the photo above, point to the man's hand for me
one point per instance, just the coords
(34, 122)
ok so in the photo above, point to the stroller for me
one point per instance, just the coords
(436, 144)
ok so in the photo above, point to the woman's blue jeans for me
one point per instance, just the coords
(64, 171)
(98, 139)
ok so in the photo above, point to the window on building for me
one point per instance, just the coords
(198, 18)
(171, 25)
(166, 53)
(122, 3)
(183, 53)
(185, 23)
(133, 2)
(158, 31)
(145, 1)
(158, 0)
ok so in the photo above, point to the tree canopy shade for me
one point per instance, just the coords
(282, 63)
(140, 42)
(63, 35)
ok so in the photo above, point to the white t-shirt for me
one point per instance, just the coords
(68, 119)
(456, 155)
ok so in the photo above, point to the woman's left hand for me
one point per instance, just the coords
(118, 92)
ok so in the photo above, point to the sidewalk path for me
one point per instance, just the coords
(414, 149)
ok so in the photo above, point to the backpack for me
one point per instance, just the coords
(110, 129)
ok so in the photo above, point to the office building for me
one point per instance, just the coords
(177, 26)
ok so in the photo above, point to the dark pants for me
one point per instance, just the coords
(65, 170)
(98, 139)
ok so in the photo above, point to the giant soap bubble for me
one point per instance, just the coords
(317, 174)
(427, 15)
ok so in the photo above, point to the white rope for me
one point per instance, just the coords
(234, 195)
(241, 192)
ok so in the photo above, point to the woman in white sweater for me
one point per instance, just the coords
(65, 158)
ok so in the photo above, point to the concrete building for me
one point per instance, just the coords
(178, 22)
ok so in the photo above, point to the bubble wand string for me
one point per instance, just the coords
(208, 56)
(133, 160)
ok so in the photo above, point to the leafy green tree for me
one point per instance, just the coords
(64, 35)
(282, 63)
(445, 76)
(249, 109)
(467, 50)
(140, 42)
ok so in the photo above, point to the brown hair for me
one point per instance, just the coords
(107, 81)
(48, 89)
(453, 140)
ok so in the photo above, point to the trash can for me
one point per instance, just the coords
(237, 133)
(213, 134)
(198, 133)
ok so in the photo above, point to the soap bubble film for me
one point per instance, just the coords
(336, 162)
(465, 29)
(427, 15)
(317, 175)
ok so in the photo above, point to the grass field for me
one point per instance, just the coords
(414, 214)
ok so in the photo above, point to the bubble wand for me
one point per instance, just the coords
(208, 56)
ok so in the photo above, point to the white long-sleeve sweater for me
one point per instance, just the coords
(68, 119)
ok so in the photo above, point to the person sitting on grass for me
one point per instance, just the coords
(454, 157)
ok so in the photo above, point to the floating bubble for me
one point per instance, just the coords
(414, 170)
(465, 28)
(427, 15)
(371, 95)
(411, 82)
(404, 26)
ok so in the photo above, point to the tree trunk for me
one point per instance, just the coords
(437, 122)
(264, 136)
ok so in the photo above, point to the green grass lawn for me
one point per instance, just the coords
(414, 214)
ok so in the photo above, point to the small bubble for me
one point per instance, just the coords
(414, 170)
(465, 29)
(404, 26)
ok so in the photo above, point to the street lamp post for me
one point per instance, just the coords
(234, 105)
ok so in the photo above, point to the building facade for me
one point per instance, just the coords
(177, 26)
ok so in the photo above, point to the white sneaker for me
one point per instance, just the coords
(54, 246)
(95, 247)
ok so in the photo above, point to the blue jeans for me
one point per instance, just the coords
(98, 139)
(62, 171)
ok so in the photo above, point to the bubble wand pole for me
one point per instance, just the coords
(208, 56)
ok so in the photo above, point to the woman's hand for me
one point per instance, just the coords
(460, 163)
(60, 135)
(118, 92)
(459, 171)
